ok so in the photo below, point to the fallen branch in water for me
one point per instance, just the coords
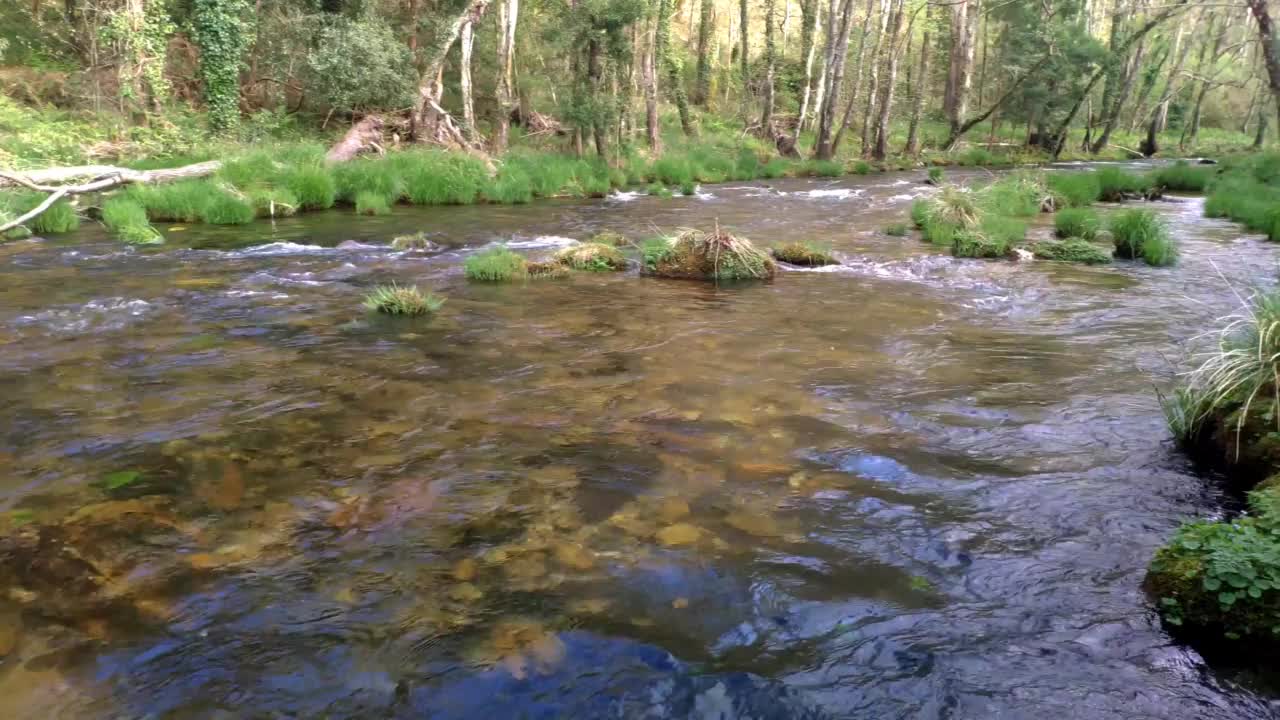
(55, 181)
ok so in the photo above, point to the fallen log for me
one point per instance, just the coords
(55, 181)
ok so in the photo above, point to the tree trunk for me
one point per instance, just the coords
(873, 80)
(595, 78)
(671, 66)
(960, 72)
(743, 25)
(1262, 131)
(809, 12)
(1267, 38)
(466, 43)
(918, 91)
(1192, 129)
(508, 12)
(846, 120)
(1122, 94)
(770, 62)
(1161, 110)
(652, 128)
(839, 21)
(429, 120)
(702, 82)
(886, 91)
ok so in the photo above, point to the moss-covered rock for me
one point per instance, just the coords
(593, 257)
(718, 255)
(1221, 579)
(803, 254)
(415, 241)
(1076, 250)
(545, 269)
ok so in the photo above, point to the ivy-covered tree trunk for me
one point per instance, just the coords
(671, 66)
(508, 12)
(770, 68)
(702, 81)
(221, 32)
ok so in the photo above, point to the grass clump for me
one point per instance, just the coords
(897, 230)
(395, 300)
(610, 238)
(659, 190)
(688, 189)
(370, 202)
(512, 186)
(435, 177)
(312, 186)
(592, 257)
(1185, 177)
(1072, 249)
(59, 217)
(546, 270)
(919, 212)
(1018, 195)
(127, 220)
(1077, 222)
(775, 168)
(1141, 234)
(935, 176)
(1074, 189)
(803, 254)
(1116, 185)
(975, 243)
(717, 255)
(368, 176)
(497, 264)
(862, 167)
(653, 250)
(182, 202)
(225, 208)
(273, 202)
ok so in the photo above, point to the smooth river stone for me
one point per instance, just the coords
(679, 534)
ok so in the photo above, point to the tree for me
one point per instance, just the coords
(1270, 56)
(810, 10)
(839, 19)
(671, 65)
(508, 14)
(770, 68)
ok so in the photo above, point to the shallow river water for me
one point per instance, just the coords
(908, 486)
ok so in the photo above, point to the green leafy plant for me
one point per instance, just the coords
(222, 32)
(396, 300)
(1141, 234)
(497, 264)
(1076, 222)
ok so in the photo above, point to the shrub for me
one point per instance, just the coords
(861, 167)
(919, 212)
(312, 186)
(592, 257)
(1185, 177)
(357, 65)
(369, 202)
(1076, 222)
(935, 175)
(897, 230)
(1140, 234)
(395, 300)
(1074, 189)
(224, 208)
(804, 254)
(497, 264)
(1072, 249)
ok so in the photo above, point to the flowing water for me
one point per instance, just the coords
(905, 487)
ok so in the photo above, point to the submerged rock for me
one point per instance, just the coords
(416, 241)
(546, 269)
(610, 238)
(592, 256)
(803, 254)
(718, 255)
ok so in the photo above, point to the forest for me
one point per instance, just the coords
(881, 80)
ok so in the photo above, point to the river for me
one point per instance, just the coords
(908, 486)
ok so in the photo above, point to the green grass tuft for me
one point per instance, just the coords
(273, 202)
(1076, 222)
(935, 175)
(370, 202)
(823, 168)
(1116, 185)
(182, 202)
(1182, 176)
(897, 230)
(978, 244)
(1072, 249)
(395, 300)
(1141, 234)
(512, 186)
(803, 254)
(439, 178)
(127, 220)
(1074, 189)
(862, 167)
(497, 264)
(368, 176)
(314, 187)
(659, 190)
(59, 217)
(224, 208)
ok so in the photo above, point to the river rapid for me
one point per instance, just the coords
(906, 486)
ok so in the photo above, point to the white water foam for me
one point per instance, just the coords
(621, 196)
(832, 193)
(542, 241)
(105, 314)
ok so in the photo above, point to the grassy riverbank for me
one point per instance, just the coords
(274, 168)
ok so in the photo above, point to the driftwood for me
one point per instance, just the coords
(364, 134)
(61, 182)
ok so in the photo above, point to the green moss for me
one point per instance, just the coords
(395, 300)
(1072, 249)
(592, 257)
(803, 254)
(1141, 234)
(897, 230)
(497, 264)
(1076, 222)
(978, 244)
(370, 202)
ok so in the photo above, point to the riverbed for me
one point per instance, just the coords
(906, 486)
